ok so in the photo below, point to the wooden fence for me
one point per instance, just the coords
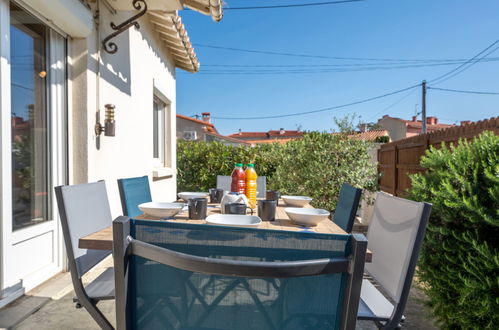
(400, 158)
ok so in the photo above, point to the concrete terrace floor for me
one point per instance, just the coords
(60, 313)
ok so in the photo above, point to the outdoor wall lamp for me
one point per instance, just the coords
(109, 123)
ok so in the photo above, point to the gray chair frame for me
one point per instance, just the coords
(394, 322)
(224, 181)
(102, 287)
(124, 246)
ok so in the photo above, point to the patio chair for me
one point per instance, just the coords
(346, 208)
(133, 192)
(84, 209)
(224, 181)
(234, 278)
(395, 236)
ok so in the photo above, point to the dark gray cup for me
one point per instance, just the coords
(267, 209)
(197, 208)
(273, 195)
(216, 195)
(236, 208)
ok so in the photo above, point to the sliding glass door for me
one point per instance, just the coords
(34, 115)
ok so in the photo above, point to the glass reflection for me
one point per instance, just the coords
(30, 129)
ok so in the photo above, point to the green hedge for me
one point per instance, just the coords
(315, 166)
(459, 263)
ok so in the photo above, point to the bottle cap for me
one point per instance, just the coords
(239, 165)
(250, 165)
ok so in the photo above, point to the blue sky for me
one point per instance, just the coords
(399, 29)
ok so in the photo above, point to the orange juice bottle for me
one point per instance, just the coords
(251, 177)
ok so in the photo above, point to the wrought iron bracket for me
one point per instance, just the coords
(111, 47)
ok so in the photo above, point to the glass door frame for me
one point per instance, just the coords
(58, 155)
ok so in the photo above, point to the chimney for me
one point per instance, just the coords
(414, 118)
(206, 116)
(363, 127)
(240, 132)
(281, 131)
(465, 122)
(431, 120)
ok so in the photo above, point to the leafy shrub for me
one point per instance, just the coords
(199, 163)
(459, 262)
(382, 139)
(320, 163)
(315, 166)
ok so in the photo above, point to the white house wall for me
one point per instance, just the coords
(128, 79)
(396, 129)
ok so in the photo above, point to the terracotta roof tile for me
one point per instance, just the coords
(418, 124)
(267, 135)
(369, 135)
(267, 141)
(228, 138)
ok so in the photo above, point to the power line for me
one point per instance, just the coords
(294, 5)
(249, 66)
(464, 66)
(320, 110)
(267, 52)
(463, 91)
(469, 65)
(294, 70)
(393, 104)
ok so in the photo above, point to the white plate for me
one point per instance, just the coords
(234, 220)
(299, 201)
(306, 217)
(161, 210)
(188, 195)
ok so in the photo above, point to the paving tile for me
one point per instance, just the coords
(19, 310)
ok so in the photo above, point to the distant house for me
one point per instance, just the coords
(280, 136)
(192, 129)
(400, 128)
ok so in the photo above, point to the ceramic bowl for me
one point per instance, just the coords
(188, 195)
(161, 210)
(234, 220)
(298, 201)
(306, 217)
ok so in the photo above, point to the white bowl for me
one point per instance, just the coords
(188, 195)
(234, 220)
(306, 217)
(161, 210)
(299, 201)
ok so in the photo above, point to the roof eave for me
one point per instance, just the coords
(212, 8)
(172, 32)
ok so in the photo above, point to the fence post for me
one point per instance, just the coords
(395, 170)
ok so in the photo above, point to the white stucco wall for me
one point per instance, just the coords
(128, 80)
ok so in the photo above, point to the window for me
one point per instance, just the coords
(161, 133)
(31, 168)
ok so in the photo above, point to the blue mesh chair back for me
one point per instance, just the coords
(133, 192)
(184, 276)
(346, 208)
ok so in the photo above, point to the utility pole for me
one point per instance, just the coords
(423, 107)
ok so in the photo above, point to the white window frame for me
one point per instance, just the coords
(162, 165)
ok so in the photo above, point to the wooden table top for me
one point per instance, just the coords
(103, 239)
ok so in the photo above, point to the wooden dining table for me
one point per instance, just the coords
(103, 239)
